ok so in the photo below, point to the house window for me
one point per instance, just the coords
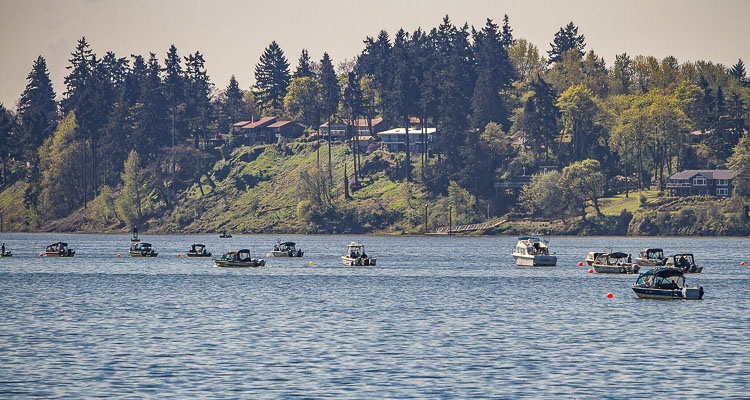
(722, 182)
(722, 192)
(699, 181)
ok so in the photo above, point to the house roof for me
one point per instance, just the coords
(708, 173)
(401, 131)
(261, 122)
(359, 122)
(241, 123)
(279, 124)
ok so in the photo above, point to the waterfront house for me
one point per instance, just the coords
(284, 130)
(395, 139)
(714, 182)
(360, 126)
(259, 132)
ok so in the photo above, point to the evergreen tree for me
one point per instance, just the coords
(37, 110)
(404, 90)
(304, 70)
(81, 67)
(622, 74)
(567, 38)
(352, 103)
(7, 126)
(272, 77)
(738, 72)
(538, 120)
(494, 74)
(329, 99)
(231, 105)
(507, 35)
(198, 108)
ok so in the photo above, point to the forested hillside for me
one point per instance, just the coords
(128, 142)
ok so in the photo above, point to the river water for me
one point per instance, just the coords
(438, 317)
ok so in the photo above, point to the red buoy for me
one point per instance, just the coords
(742, 263)
(178, 255)
(41, 254)
(609, 295)
(118, 256)
(580, 264)
(591, 271)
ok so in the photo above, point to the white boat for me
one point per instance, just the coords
(614, 263)
(286, 249)
(533, 252)
(591, 257)
(651, 258)
(356, 256)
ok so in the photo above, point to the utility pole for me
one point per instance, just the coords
(425, 218)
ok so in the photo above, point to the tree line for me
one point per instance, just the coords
(501, 108)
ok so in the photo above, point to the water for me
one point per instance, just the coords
(439, 317)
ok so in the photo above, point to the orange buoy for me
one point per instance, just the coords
(580, 264)
(609, 295)
(591, 271)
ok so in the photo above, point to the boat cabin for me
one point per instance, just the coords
(59, 248)
(662, 278)
(616, 258)
(242, 255)
(685, 262)
(198, 249)
(654, 254)
(355, 250)
(286, 246)
(531, 246)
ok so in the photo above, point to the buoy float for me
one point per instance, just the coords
(179, 255)
(580, 264)
(41, 254)
(311, 264)
(591, 271)
(118, 256)
(609, 295)
(742, 263)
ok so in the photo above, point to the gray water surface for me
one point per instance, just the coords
(439, 317)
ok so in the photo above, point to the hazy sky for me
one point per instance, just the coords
(232, 34)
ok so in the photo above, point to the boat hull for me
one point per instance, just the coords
(7, 254)
(239, 264)
(650, 262)
(189, 254)
(277, 253)
(685, 293)
(357, 262)
(535, 261)
(615, 269)
(69, 253)
(141, 254)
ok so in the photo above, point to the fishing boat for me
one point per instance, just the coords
(591, 257)
(238, 259)
(198, 250)
(225, 235)
(286, 249)
(356, 256)
(142, 249)
(651, 258)
(614, 263)
(533, 252)
(59, 249)
(4, 253)
(685, 262)
(665, 284)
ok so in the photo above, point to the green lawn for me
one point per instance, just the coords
(615, 204)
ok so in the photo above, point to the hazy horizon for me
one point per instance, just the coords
(232, 34)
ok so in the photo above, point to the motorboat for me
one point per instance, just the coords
(59, 249)
(238, 259)
(198, 250)
(684, 262)
(225, 235)
(142, 249)
(665, 284)
(286, 249)
(591, 257)
(4, 253)
(533, 252)
(651, 258)
(614, 263)
(356, 256)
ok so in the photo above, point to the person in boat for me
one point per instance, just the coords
(2, 252)
(682, 262)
